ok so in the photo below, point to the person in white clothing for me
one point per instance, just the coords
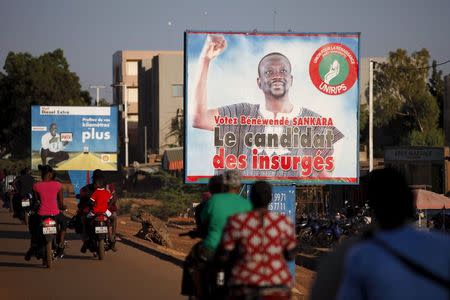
(52, 147)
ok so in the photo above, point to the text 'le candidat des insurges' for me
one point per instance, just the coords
(298, 134)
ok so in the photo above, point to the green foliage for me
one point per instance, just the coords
(436, 87)
(43, 80)
(14, 166)
(434, 137)
(405, 111)
(177, 129)
(103, 102)
(175, 197)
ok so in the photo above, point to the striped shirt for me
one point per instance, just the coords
(240, 131)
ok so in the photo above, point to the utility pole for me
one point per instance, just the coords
(371, 62)
(125, 115)
(98, 87)
(145, 144)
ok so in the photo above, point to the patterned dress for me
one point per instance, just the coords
(261, 246)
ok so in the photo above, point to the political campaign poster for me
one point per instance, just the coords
(282, 107)
(74, 137)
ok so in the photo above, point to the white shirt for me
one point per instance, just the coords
(52, 143)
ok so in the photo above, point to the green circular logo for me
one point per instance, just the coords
(333, 69)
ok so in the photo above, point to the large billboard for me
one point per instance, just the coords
(74, 137)
(279, 107)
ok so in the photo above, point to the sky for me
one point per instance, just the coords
(90, 31)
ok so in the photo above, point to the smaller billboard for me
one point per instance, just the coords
(74, 137)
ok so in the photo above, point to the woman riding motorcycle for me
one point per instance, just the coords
(257, 245)
(50, 201)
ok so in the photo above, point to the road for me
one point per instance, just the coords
(127, 274)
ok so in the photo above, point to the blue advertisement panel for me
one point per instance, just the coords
(74, 137)
(283, 202)
(280, 107)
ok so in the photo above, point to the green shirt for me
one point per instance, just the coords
(216, 213)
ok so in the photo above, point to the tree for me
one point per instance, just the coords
(404, 109)
(28, 80)
(103, 102)
(177, 129)
(436, 87)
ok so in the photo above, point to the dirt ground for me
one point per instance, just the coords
(304, 277)
(182, 245)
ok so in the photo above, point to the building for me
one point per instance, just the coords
(162, 100)
(128, 68)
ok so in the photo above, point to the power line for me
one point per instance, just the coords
(414, 68)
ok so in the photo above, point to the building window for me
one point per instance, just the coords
(177, 90)
(132, 68)
(132, 95)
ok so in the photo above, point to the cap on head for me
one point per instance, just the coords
(232, 179)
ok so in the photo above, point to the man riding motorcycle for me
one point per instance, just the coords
(24, 192)
(213, 217)
(85, 205)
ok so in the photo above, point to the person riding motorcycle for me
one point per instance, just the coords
(24, 189)
(214, 216)
(50, 202)
(85, 205)
(257, 245)
(191, 275)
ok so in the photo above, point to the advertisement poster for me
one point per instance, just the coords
(74, 137)
(279, 107)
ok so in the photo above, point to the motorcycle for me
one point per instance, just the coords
(24, 213)
(47, 240)
(98, 241)
(196, 282)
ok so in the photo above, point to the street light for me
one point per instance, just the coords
(125, 111)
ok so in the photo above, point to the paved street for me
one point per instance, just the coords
(127, 274)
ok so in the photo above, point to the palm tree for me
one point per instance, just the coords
(177, 129)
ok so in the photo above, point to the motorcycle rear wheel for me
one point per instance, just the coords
(101, 249)
(26, 218)
(47, 261)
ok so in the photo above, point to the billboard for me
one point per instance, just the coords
(279, 107)
(74, 137)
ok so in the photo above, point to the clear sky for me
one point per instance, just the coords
(90, 31)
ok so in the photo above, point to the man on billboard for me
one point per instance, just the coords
(274, 79)
(52, 147)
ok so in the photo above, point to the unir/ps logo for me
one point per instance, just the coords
(333, 69)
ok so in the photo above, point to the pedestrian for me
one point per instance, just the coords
(397, 261)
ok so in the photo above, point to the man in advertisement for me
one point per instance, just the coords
(52, 147)
(278, 149)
